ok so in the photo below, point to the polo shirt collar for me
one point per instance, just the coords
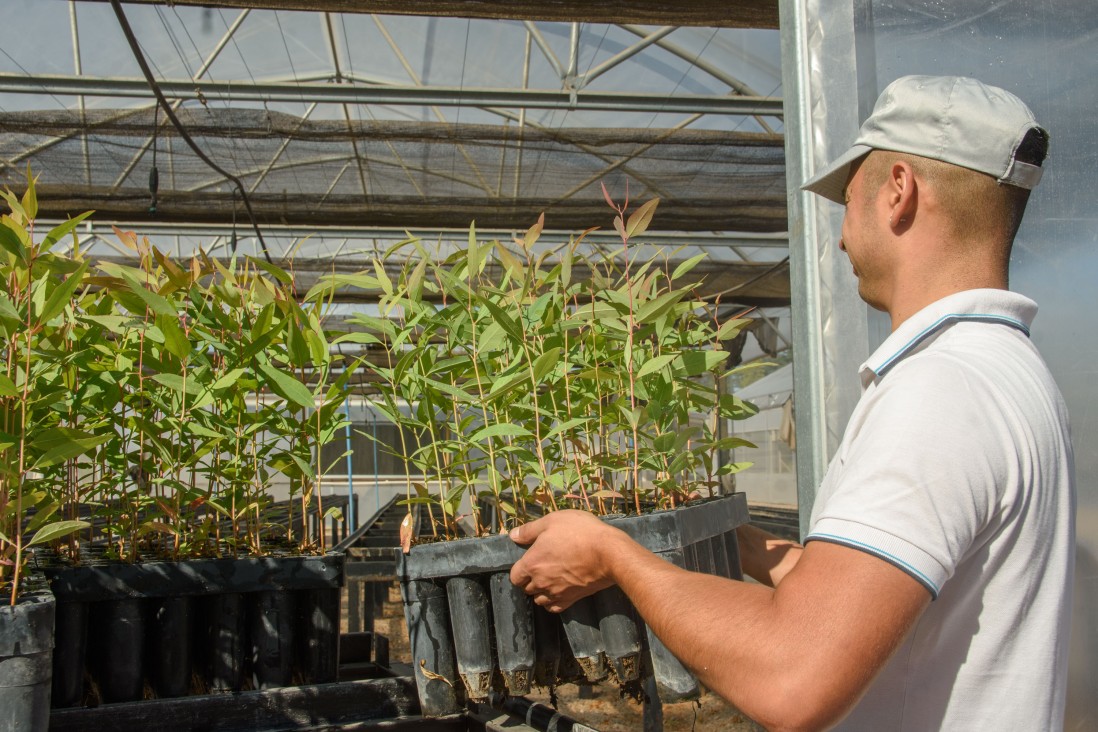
(985, 305)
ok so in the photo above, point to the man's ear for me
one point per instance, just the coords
(903, 195)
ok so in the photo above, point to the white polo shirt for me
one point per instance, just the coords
(957, 467)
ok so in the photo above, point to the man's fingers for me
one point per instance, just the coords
(519, 576)
(549, 603)
(526, 533)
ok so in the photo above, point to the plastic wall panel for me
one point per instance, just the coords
(1044, 52)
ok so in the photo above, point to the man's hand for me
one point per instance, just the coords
(569, 558)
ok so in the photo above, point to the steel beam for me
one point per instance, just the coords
(725, 240)
(717, 13)
(238, 91)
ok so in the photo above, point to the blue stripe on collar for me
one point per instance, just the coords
(950, 318)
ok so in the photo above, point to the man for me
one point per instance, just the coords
(933, 588)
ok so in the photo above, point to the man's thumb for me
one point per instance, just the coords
(526, 533)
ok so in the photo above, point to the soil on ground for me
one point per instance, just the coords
(602, 708)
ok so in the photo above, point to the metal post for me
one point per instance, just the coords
(351, 518)
(377, 481)
(817, 76)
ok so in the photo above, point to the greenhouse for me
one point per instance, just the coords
(308, 304)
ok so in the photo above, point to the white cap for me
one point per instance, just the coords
(948, 118)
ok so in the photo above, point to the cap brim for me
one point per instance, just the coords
(831, 181)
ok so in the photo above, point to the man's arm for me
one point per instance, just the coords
(795, 657)
(765, 557)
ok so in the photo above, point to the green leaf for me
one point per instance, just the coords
(58, 444)
(357, 337)
(505, 321)
(10, 241)
(503, 429)
(175, 382)
(279, 274)
(155, 302)
(13, 203)
(415, 280)
(731, 328)
(510, 263)
(296, 346)
(331, 283)
(655, 364)
(229, 379)
(383, 278)
(8, 311)
(566, 426)
(687, 266)
(318, 346)
(30, 198)
(62, 230)
(175, 340)
(641, 218)
(732, 468)
(656, 308)
(287, 386)
(458, 393)
(473, 253)
(43, 513)
(117, 324)
(61, 295)
(730, 443)
(545, 363)
(698, 362)
(305, 468)
(197, 429)
(7, 387)
(57, 531)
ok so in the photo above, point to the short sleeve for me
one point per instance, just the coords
(920, 470)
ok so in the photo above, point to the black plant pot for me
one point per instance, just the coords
(513, 620)
(318, 634)
(427, 614)
(457, 595)
(70, 632)
(119, 645)
(26, 650)
(170, 645)
(581, 628)
(159, 623)
(226, 630)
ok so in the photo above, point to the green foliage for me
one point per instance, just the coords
(162, 398)
(526, 386)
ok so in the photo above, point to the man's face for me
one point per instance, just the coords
(863, 238)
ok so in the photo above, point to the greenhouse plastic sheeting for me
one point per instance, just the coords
(1044, 52)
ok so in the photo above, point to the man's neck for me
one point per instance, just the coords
(903, 308)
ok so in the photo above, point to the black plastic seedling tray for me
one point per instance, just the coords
(466, 621)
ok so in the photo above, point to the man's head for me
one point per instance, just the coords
(937, 182)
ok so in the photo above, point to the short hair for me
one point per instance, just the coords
(976, 204)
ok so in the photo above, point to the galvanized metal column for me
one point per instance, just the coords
(819, 82)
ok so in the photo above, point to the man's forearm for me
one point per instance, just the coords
(724, 631)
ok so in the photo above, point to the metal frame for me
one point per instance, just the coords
(830, 332)
(247, 91)
(735, 241)
(351, 88)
